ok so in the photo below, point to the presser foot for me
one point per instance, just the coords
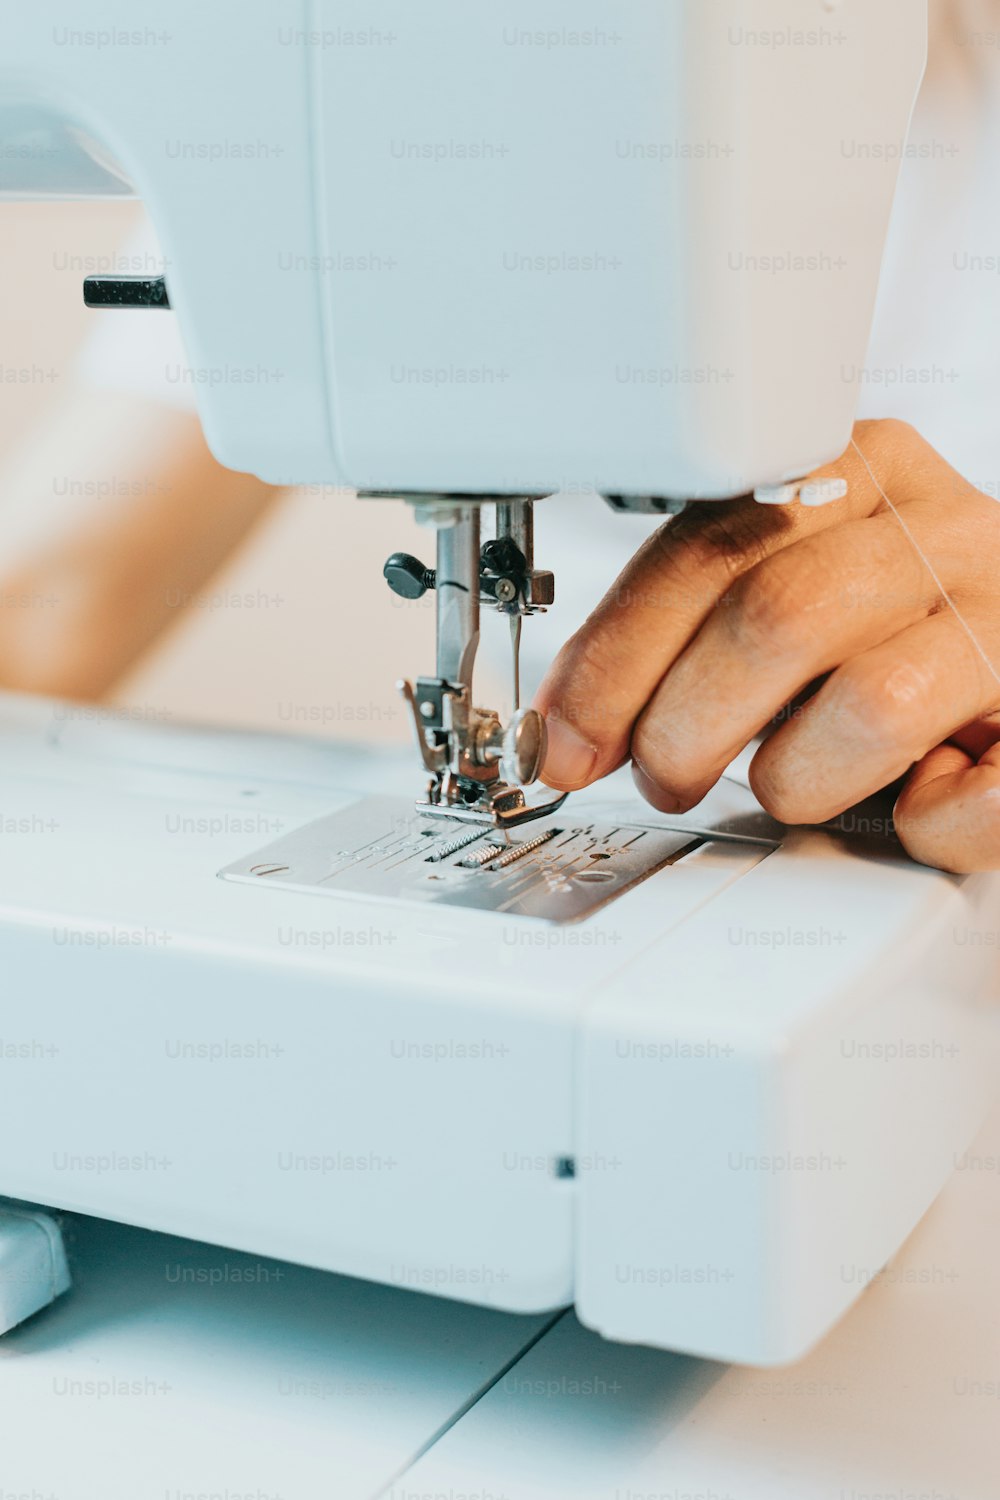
(497, 805)
(477, 768)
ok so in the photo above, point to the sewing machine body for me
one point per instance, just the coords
(686, 1113)
(461, 258)
(451, 249)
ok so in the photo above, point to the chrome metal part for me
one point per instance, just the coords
(524, 743)
(515, 524)
(476, 765)
(457, 594)
(515, 657)
(507, 808)
(381, 849)
(646, 505)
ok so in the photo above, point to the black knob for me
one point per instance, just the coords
(407, 575)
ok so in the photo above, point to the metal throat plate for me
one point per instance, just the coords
(558, 869)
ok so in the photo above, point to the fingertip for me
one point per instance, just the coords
(656, 795)
(781, 795)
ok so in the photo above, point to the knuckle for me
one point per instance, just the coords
(896, 430)
(732, 536)
(906, 459)
(891, 434)
(769, 607)
(590, 685)
(875, 702)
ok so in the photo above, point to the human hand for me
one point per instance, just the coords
(882, 609)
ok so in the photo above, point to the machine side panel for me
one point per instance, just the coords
(315, 1118)
(789, 1112)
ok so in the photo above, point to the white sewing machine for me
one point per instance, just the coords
(679, 1072)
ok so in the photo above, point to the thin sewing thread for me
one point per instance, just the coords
(929, 566)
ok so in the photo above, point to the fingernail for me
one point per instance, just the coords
(569, 759)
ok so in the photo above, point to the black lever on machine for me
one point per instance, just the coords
(407, 576)
(125, 291)
(504, 577)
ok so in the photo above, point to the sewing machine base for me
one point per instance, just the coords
(685, 1113)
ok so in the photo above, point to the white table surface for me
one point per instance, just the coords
(293, 1383)
(900, 1402)
(149, 1381)
(283, 1383)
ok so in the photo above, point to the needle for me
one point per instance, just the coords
(515, 648)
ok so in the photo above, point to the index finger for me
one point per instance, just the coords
(607, 672)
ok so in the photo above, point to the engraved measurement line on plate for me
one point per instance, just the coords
(565, 867)
(568, 868)
(514, 879)
(390, 848)
(373, 853)
(574, 857)
(535, 876)
(517, 897)
(375, 844)
(523, 879)
(388, 851)
(407, 856)
(351, 862)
